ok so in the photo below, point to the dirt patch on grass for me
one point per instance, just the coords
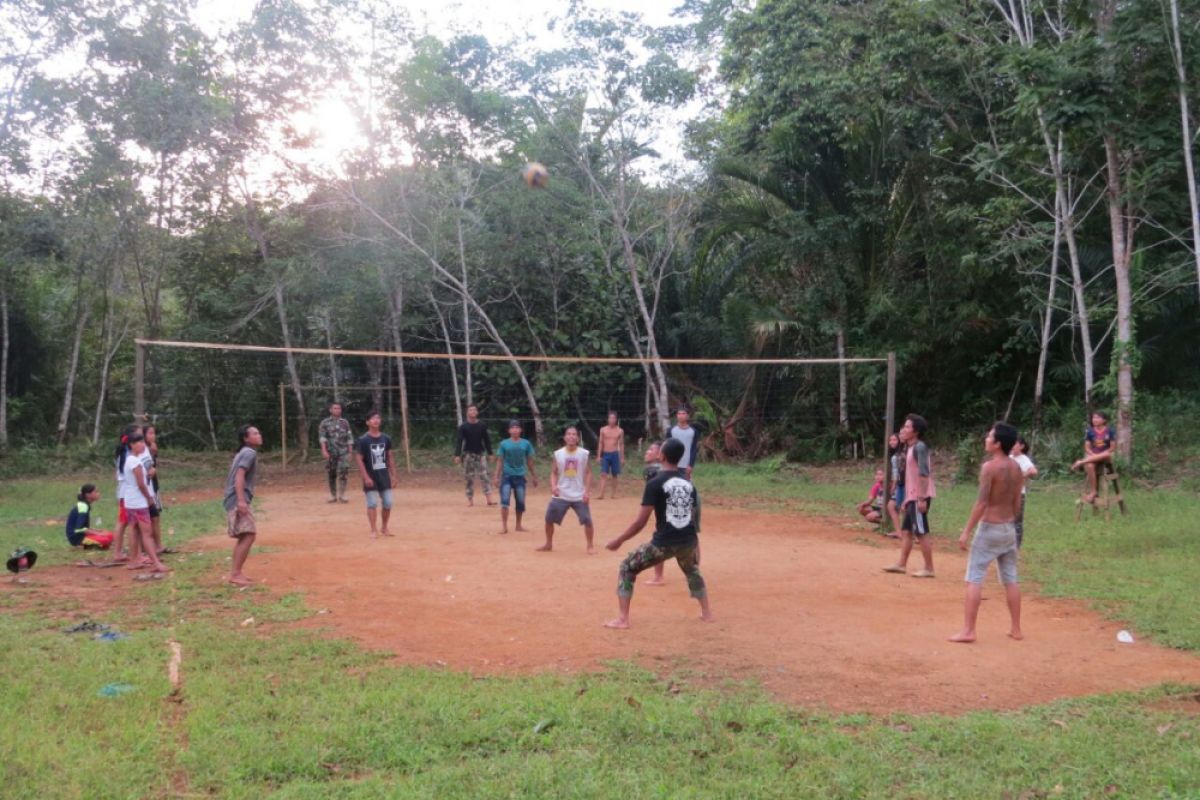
(801, 606)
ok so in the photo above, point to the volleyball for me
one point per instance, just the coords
(536, 175)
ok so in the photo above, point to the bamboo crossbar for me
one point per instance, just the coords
(325, 351)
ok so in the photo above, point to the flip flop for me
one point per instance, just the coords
(923, 574)
(894, 568)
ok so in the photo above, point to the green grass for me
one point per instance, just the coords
(280, 713)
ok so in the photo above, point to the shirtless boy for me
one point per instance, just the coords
(612, 453)
(995, 514)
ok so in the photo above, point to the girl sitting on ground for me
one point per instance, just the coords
(79, 530)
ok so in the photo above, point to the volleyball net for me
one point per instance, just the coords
(198, 393)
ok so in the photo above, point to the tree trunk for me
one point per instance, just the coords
(1186, 128)
(293, 372)
(450, 279)
(4, 337)
(397, 303)
(843, 401)
(466, 310)
(212, 429)
(1121, 225)
(458, 404)
(64, 416)
(333, 367)
(1047, 326)
(375, 370)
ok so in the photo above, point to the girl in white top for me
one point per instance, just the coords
(138, 494)
(1020, 454)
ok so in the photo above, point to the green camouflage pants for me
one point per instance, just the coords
(337, 467)
(475, 466)
(648, 555)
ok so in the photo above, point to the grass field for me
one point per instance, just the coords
(289, 715)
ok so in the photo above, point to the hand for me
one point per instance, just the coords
(923, 506)
(325, 454)
(587, 497)
(613, 545)
(243, 507)
(553, 491)
(964, 539)
(367, 482)
(535, 485)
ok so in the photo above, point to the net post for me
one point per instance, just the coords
(888, 426)
(139, 371)
(283, 426)
(404, 416)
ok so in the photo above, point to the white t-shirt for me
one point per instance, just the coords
(130, 493)
(571, 469)
(1026, 464)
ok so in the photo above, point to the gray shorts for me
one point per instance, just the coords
(994, 541)
(557, 511)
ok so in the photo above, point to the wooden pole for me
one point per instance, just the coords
(404, 419)
(139, 392)
(283, 425)
(889, 427)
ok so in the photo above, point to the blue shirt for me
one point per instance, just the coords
(515, 456)
(1101, 443)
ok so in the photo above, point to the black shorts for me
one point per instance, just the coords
(914, 521)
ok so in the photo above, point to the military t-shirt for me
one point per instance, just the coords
(676, 509)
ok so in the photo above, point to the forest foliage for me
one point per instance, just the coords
(1001, 193)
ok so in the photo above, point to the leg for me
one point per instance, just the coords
(589, 532)
(1090, 495)
(241, 550)
(970, 614)
(906, 544)
(689, 562)
(639, 559)
(469, 476)
(549, 545)
(386, 513)
(372, 502)
(926, 543)
(1012, 592)
(503, 518)
(657, 578)
(156, 532)
(485, 480)
(895, 517)
(343, 474)
(332, 477)
(505, 495)
(519, 499)
(603, 479)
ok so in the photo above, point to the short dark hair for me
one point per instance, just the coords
(919, 424)
(515, 423)
(136, 437)
(85, 490)
(335, 403)
(242, 433)
(1098, 413)
(1024, 444)
(470, 406)
(1006, 435)
(683, 410)
(374, 412)
(614, 414)
(672, 451)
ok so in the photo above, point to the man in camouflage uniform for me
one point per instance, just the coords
(337, 446)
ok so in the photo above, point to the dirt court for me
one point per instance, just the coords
(802, 605)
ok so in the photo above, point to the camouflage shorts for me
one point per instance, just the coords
(646, 556)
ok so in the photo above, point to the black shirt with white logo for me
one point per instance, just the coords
(676, 509)
(374, 451)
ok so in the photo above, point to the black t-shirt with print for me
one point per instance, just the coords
(676, 509)
(374, 451)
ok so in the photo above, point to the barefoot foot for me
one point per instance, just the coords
(591, 551)
(386, 532)
(708, 617)
(1016, 635)
(618, 623)
(521, 529)
(656, 582)
(239, 580)
(962, 638)
(546, 548)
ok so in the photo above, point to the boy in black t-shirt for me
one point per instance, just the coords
(676, 507)
(377, 465)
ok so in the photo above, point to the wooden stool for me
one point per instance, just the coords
(1105, 495)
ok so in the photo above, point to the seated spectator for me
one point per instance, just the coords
(872, 507)
(1097, 452)
(79, 530)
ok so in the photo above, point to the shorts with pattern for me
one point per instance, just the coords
(994, 541)
(556, 512)
(475, 467)
(916, 522)
(649, 554)
(240, 523)
(136, 515)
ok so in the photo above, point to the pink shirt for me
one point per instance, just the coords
(918, 486)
